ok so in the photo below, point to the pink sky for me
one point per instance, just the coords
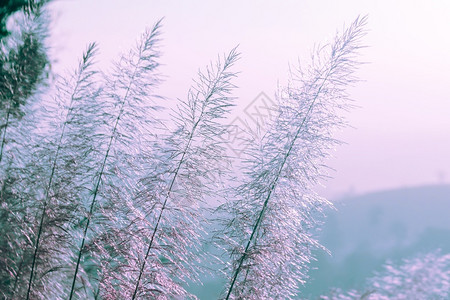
(402, 135)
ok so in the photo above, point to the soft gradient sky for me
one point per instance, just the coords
(402, 135)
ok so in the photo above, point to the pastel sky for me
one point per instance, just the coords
(402, 135)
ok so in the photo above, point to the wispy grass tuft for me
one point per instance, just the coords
(267, 230)
(128, 98)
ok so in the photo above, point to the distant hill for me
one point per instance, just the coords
(364, 232)
(367, 230)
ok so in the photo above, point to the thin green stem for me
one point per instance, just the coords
(47, 192)
(272, 188)
(4, 133)
(158, 221)
(141, 271)
(97, 185)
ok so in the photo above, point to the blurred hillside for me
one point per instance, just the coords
(367, 230)
(364, 232)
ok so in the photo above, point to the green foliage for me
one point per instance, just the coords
(23, 68)
(10, 7)
(7, 8)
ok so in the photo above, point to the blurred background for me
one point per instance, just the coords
(391, 184)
